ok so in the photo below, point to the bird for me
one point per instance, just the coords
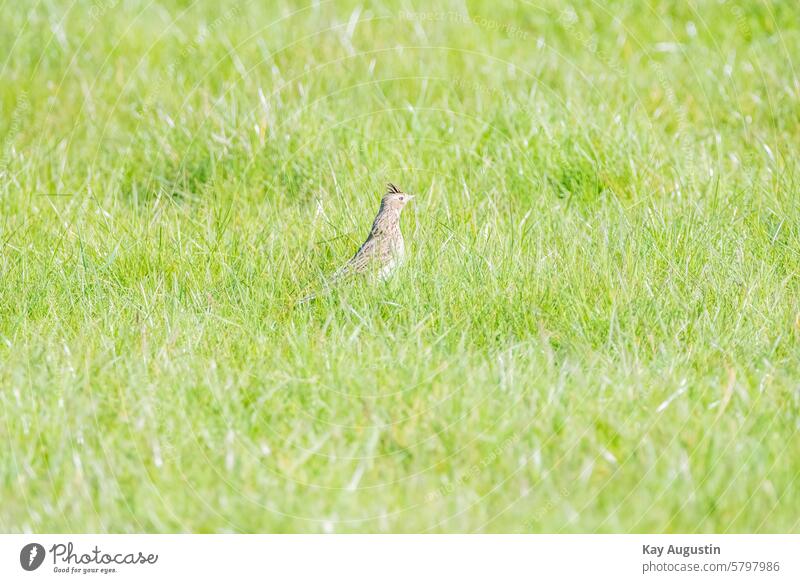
(384, 249)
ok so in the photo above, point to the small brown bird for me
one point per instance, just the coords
(384, 248)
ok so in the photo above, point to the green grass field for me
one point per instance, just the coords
(597, 328)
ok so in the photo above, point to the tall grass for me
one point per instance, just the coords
(596, 329)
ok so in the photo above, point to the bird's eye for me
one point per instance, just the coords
(402, 198)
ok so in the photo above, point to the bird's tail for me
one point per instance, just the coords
(336, 277)
(314, 295)
(308, 298)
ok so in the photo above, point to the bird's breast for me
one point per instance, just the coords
(399, 246)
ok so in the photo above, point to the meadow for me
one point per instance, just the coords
(597, 328)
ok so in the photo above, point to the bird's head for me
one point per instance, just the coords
(395, 198)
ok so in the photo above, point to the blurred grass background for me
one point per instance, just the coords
(596, 331)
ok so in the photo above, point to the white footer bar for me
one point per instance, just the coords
(401, 558)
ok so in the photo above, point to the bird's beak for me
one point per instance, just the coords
(411, 197)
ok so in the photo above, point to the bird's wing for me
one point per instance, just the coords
(360, 261)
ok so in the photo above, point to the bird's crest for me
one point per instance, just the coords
(392, 189)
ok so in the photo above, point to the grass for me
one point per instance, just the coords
(597, 329)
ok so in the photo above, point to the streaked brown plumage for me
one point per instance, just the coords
(384, 248)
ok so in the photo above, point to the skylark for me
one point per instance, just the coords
(384, 249)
